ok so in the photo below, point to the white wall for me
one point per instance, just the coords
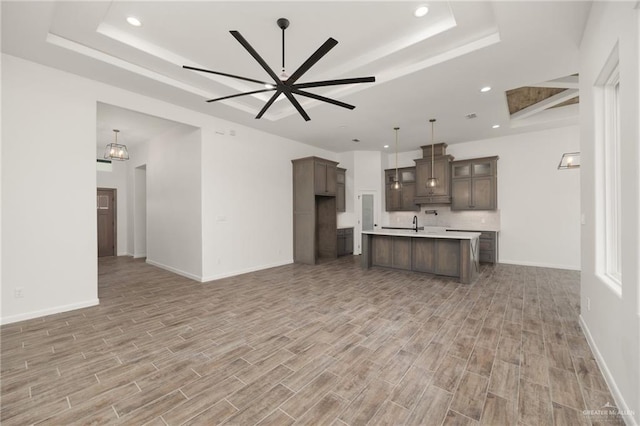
(368, 178)
(539, 205)
(117, 179)
(247, 199)
(49, 243)
(136, 198)
(140, 212)
(613, 323)
(174, 221)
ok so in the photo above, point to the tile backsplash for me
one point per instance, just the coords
(482, 220)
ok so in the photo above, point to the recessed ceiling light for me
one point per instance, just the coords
(132, 20)
(421, 11)
(485, 89)
(495, 126)
(386, 146)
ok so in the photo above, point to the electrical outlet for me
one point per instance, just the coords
(588, 303)
(18, 293)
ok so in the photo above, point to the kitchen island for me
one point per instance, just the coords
(434, 251)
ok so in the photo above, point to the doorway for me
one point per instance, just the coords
(107, 226)
(367, 207)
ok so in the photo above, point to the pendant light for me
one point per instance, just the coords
(432, 182)
(116, 151)
(396, 182)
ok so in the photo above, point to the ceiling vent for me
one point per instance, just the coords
(471, 115)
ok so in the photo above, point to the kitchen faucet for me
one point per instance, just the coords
(415, 223)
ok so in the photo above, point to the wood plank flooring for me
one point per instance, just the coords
(327, 344)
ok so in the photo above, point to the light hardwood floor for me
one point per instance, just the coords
(327, 344)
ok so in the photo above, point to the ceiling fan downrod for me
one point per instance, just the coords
(283, 23)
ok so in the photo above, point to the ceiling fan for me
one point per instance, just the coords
(286, 84)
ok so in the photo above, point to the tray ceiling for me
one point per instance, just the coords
(425, 67)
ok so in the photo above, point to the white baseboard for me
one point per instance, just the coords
(48, 311)
(539, 264)
(139, 255)
(621, 404)
(175, 270)
(245, 271)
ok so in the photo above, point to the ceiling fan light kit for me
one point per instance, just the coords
(284, 83)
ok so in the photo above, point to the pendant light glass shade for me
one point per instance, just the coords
(396, 182)
(116, 151)
(432, 182)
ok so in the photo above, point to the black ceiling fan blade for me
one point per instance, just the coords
(335, 82)
(269, 103)
(255, 54)
(297, 105)
(224, 74)
(322, 98)
(315, 57)
(240, 94)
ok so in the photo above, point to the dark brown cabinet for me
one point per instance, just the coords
(488, 247)
(341, 185)
(325, 176)
(441, 194)
(488, 250)
(402, 199)
(314, 210)
(345, 241)
(474, 184)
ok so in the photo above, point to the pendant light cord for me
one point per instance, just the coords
(396, 129)
(433, 120)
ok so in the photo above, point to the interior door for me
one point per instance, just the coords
(367, 209)
(106, 208)
(367, 212)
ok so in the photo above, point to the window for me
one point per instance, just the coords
(608, 174)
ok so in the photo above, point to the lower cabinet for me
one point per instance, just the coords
(488, 245)
(345, 241)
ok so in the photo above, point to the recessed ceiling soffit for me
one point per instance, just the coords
(160, 57)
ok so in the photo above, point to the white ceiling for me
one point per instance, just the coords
(430, 67)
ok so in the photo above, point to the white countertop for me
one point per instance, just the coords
(434, 232)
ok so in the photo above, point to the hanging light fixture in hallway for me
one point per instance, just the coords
(116, 151)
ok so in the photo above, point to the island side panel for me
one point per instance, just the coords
(381, 251)
(401, 253)
(448, 257)
(423, 254)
